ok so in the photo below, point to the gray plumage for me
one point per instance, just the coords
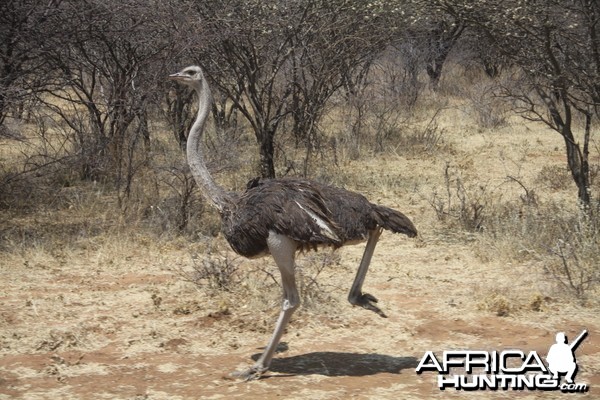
(281, 205)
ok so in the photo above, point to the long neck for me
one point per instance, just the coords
(195, 155)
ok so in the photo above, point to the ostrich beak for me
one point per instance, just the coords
(177, 76)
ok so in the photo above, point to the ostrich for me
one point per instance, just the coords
(283, 216)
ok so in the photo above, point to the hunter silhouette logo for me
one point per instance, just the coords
(561, 357)
(508, 369)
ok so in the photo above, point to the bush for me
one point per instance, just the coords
(565, 242)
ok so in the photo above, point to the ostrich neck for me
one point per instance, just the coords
(195, 155)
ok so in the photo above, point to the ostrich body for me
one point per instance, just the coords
(282, 216)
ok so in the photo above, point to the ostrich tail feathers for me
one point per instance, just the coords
(393, 220)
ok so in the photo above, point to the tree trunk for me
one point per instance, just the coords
(577, 159)
(442, 41)
(267, 150)
(434, 71)
(578, 163)
(579, 170)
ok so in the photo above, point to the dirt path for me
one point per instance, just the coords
(97, 325)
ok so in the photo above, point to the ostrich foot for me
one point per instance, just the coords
(366, 300)
(249, 374)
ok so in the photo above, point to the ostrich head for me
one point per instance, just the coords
(190, 76)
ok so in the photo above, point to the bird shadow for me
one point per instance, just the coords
(331, 363)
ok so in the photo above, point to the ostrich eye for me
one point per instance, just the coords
(190, 72)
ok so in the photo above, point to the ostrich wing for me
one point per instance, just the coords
(308, 212)
(292, 207)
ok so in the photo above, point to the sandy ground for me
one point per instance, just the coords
(115, 319)
(89, 328)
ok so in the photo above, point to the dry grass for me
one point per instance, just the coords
(463, 168)
(501, 239)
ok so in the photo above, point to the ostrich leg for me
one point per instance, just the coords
(356, 296)
(283, 250)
